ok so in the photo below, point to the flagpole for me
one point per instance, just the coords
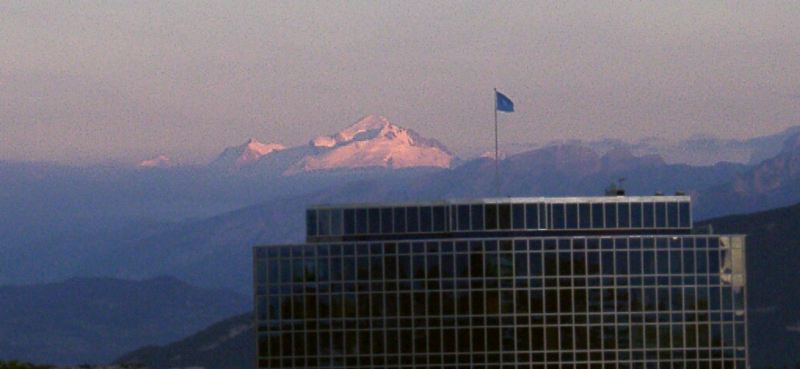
(496, 150)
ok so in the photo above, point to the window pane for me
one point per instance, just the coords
(323, 222)
(648, 211)
(661, 215)
(425, 219)
(506, 264)
(649, 262)
(438, 218)
(635, 262)
(412, 219)
(636, 215)
(624, 215)
(518, 214)
(336, 221)
(477, 217)
(504, 216)
(491, 216)
(572, 216)
(374, 221)
(558, 216)
(611, 215)
(399, 220)
(672, 214)
(521, 264)
(361, 221)
(685, 215)
(535, 264)
(544, 220)
(584, 216)
(531, 216)
(386, 220)
(349, 221)
(597, 216)
(463, 217)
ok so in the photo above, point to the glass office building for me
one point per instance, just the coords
(546, 283)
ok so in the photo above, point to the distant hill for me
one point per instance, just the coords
(93, 320)
(773, 278)
(773, 252)
(229, 344)
(773, 182)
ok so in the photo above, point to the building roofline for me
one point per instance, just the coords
(510, 200)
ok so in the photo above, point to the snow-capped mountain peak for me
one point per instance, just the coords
(246, 153)
(369, 127)
(373, 141)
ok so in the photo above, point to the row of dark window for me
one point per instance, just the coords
(494, 265)
(489, 217)
(498, 361)
(703, 340)
(686, 302)
(520, 320)
(486, 284)
(490, 245)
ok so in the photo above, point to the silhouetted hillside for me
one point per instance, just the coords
(93, 320)
(772, 183)
(229, 344)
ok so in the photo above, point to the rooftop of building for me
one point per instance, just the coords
(514, 200)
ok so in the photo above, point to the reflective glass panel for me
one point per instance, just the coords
(504, 216)
(336, 221)
(412, 219)
(426, 219)
(685, 215)
(584, 216)
(323, 222)
(374, 221)
(361, 221)
(636, 215)
(491, 216)
(572, 216)
(672, 214)
(611, 215)
(597, 216)
(399, 220)
(661, 215)
(558, 216)
(648, 214)
(624, 215)
(386, 220)
(531, 216)
(476, 214)
(518, 216)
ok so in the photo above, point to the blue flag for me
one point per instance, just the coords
(503, 103)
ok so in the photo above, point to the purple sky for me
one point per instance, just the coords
(123, 81)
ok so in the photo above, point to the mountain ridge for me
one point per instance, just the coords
(79, 320)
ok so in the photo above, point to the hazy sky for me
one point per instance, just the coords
(124, 80)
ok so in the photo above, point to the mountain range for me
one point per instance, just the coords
(218, 244)
(269, 209)
(698, 150)
(371, 142)
(773, 240)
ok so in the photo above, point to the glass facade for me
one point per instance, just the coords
(663, 213)
(579, 301)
